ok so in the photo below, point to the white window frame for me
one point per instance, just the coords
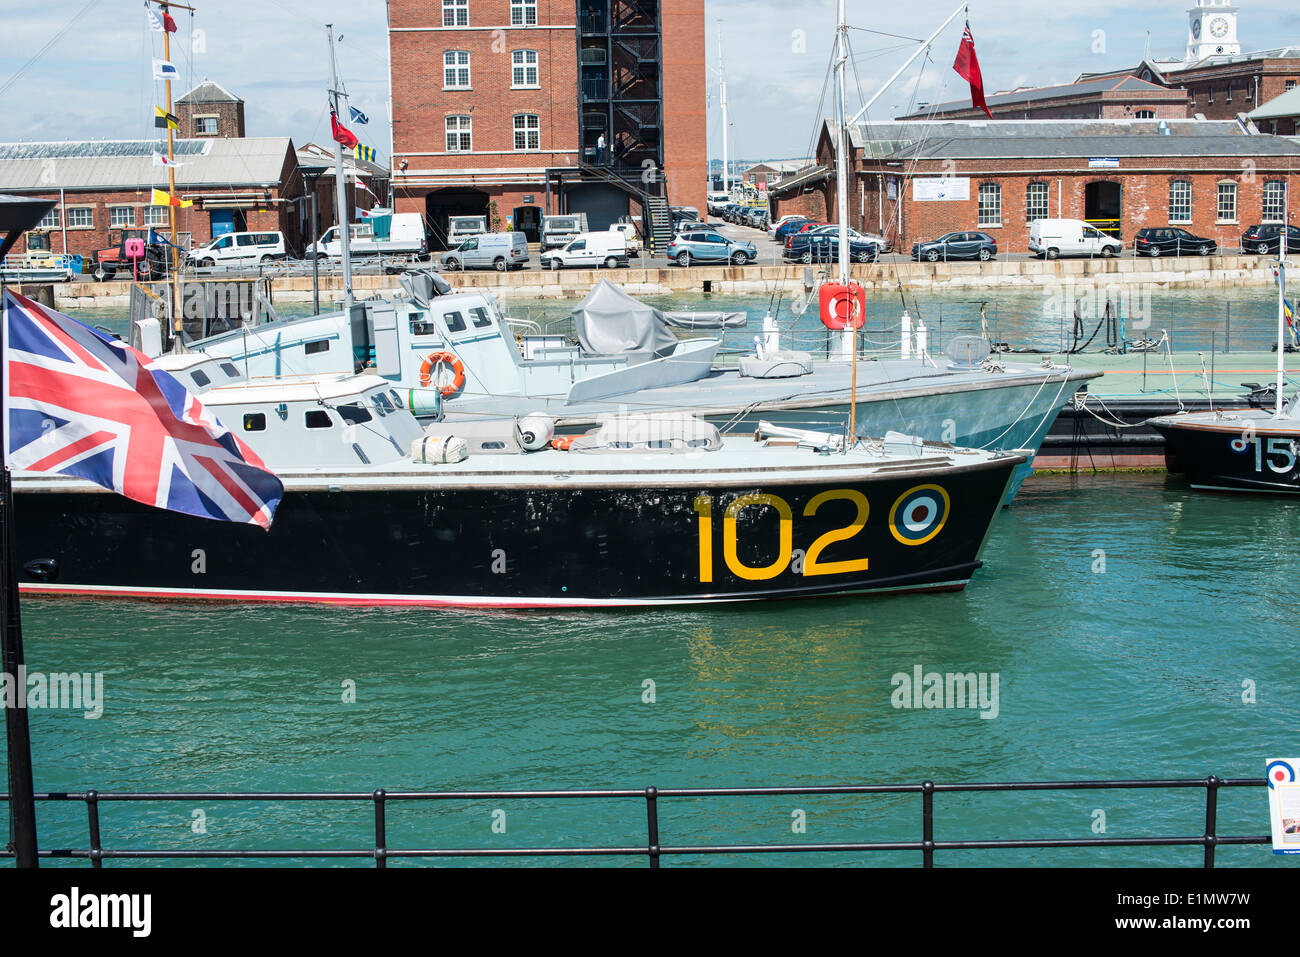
(50, 220)
(523, 13)
(1038, 199)
(74, 212)
(155, 212)
(456, 69)
(1273, 212)
(1226, 212)
(463, 129)
(1144, 114)
(212, 118)
(525, 129)
(1180, 202)
(115, 222)
(989, 215)
(455, 13)
(520, 61)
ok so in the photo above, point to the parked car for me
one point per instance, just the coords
(756, 218)
(1051, 238)
(607, 249)
(795, 226)
(736, 213)
(1155, 242)
(682, 226)
(823, 245)
(787, 218)
(500, 251)
(709, 246)
(980, 246)
(717, 199)
(1268, 238)
(231, 249)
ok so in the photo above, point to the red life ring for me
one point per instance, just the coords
(563, 443)
(843, 306)
(443, 358)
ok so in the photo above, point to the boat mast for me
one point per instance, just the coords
(722, 98)
(177, 318)
(1281, 304)
(340, 187)
(848, 337)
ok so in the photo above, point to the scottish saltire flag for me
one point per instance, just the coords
(357, 115)
(79, 403)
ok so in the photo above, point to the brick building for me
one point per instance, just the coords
(500, 107)
(915, 181)
(1110, 97)
(210, 110)
(1280, 115)
(105, 186)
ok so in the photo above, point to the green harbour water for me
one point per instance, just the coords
(1133, 669)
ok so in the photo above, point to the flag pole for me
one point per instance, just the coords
(19, 215)
(340, 189)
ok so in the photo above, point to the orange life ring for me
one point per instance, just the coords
(438, 358)
(563, 443)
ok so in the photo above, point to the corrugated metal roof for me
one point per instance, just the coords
(1010, 139)
(128, 164)
(1283, 105)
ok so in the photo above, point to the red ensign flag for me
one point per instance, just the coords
(342, 134)
(967, 66)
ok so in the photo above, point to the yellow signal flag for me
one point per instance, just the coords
(167, 199)
(164, 120)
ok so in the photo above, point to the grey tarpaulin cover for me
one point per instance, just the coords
(610, 322)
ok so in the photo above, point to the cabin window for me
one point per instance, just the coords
(479, 316)
(382, 404)
(354, 413)
(397, 399)
(320, 345)
(421, 326)
(254, 421)
(318, 419)
(200, 379)
(229, 369)
(455, 321)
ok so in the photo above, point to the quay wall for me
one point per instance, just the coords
(1212, 272)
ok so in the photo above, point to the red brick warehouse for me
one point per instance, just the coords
(1214, 178)
(499, 107)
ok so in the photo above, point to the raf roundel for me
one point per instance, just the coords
(1280, 772)
(919, 514)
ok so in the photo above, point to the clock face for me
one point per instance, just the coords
(1219, 27)
(1196, 29)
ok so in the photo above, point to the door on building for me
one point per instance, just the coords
(1102, 206)
(604, 203)
(227, 221)
(528, 220)
(441, 204)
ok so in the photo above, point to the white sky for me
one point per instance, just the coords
(94, 81)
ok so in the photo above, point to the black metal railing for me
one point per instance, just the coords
(653, 849)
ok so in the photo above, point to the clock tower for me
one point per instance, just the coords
(1211, 30)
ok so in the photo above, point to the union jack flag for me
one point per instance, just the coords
(79, 403)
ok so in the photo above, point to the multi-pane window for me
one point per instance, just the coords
(527, 132)
(1036, 202)
(459, 134)
(205, 126)
(81, 217)
(990, 205)
(1227, 210)
(523, 13)
(156, 216)
(1180, 201)
(121, 215)
(50, 220)
(455, 13)
(1144, 114)
(523, 68)
(455, 70)
(1290, 84)
(1274, 202)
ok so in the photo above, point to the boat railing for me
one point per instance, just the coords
(657, 843)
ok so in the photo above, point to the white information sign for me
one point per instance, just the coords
(941, 189)
(1284, 804)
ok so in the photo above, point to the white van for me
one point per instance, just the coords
(607, 249)
(392, 234)
(500, 251)
(1051, 238)
(237, 249)
(558, 230)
